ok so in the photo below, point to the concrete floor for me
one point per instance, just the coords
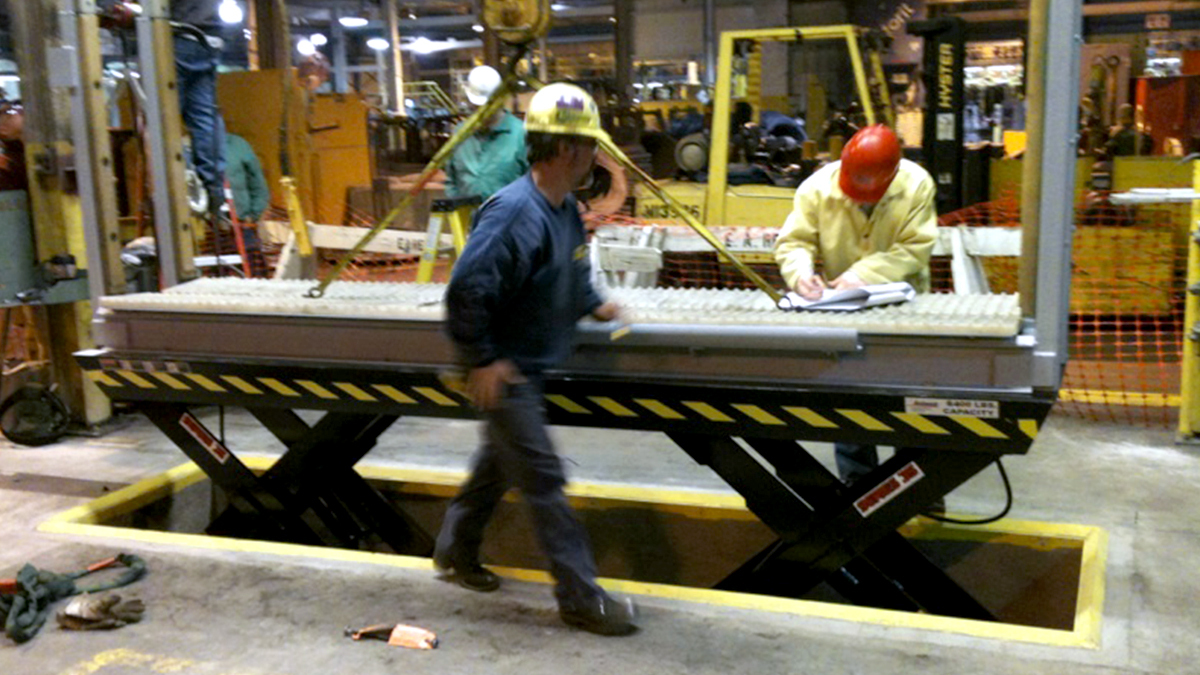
(221, 613)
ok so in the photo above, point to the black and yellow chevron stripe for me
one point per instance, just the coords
(823, 418)
(296, 388)
(726, 410)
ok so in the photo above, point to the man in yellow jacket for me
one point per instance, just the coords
(869, 219)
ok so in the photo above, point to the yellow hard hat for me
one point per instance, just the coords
(562, 108)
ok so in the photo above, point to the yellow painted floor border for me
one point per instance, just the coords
(84, 521)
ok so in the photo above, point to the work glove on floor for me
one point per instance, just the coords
(100, 612)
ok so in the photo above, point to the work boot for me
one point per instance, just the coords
(602, 615)
(471, 576)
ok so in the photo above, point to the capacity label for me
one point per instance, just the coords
(947, 407)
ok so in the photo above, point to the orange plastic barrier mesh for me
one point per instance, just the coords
(1126, 301)
(1128, 282)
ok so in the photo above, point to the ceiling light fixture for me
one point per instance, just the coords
(478, 28)
(306, 47)
(318, 39)
(353, 21)
(230, 11)
(377, 43)
(423, 45)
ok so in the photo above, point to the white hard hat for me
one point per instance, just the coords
(481, 82)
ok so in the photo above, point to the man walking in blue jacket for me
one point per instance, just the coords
(514, 298)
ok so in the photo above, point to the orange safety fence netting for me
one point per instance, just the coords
(1126, 299)
(1128, 284)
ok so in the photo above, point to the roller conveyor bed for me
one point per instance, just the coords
(733, 381)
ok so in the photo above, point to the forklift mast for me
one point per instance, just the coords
(942, 138)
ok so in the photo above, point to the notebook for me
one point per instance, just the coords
(853, 299)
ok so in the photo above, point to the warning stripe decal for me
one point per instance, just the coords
(567, 404)
(708, 412)
(659, 408)
(317, 390)
(979, 427)
(612, 406)
(436, 396)
(242, 385)
(920, 423)
(394, 393)
(1029, 427)
(862, 419)
(810, 417)
(138, 381)
(759, 415)
(279, 387)
(171, 381)
(356, 393)
(101, 377)
(206, 383)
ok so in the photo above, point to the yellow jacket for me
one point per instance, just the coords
(893, 244)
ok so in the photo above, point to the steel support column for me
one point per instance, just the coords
(273, 39)
(394, 72)
(337, 41)
(624, 47)
(1053, 170)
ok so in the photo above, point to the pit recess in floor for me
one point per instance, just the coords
(1043, 581)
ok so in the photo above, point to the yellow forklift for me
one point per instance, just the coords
(716, 202)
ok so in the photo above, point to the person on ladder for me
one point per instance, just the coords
(250, 197)
(198, 48)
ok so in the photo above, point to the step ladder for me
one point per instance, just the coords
(458, 213)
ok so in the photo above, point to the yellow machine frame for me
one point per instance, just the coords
(758, 204)
(1189, 413)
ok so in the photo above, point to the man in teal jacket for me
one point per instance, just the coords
(245, 175)
(251, 197)
(493, 156)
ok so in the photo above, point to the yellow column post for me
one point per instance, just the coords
(1189, 405)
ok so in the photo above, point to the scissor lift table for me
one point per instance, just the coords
(732, 381)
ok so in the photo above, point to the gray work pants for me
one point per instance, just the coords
(517, 452)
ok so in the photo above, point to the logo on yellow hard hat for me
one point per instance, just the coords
(571, 111)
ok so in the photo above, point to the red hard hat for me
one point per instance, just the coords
(869, 163)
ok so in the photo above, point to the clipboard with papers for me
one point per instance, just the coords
(851, 300)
